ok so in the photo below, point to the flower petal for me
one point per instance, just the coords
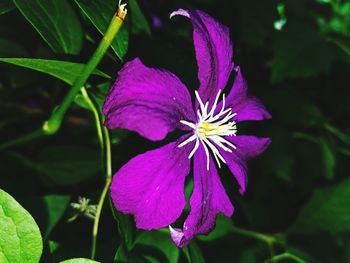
(151, 186)
(148, 101)
(246, 107)
(208, 199)
(214, 52)
(247, 147)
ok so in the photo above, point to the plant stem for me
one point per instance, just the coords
(268, 239)
(53, 124)
(253, 234)
(96, 116)
(283, 256)
(108, 159)
(22, 139)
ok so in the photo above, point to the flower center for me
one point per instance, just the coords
(211, 128)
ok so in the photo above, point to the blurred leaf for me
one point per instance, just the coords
(122, 254)
(193, 253)
(48, 210)
(139, 23)
(6, 6)
(345, 138)
(20, 239)
(222, 227)
(329, 159)
(344, 44)
(328, 210)
(162, 241)
(63, 70)
(66, 165)
(295, 52)
(125, 226)
(79, 260)
(100, 13)
(11, 48)
(152, 259)
(53, 246)
(56, 22)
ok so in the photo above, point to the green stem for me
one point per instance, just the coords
(268, 239)
(53, 124)
(96, 116)
(283, 256)
(104, 190)
(22, 139)
(253, 234)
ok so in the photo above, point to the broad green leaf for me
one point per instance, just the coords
(161, 241)
(20, 239)
(138, 20)
(6, 6)
(56, 22)
(47, 210)
(63, 70)
(67, 165)
(328, 210)
(100, 13)
(222, 227)
(79, 260)
(193, 253)
(328, 155)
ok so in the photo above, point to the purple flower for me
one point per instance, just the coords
(154, 102)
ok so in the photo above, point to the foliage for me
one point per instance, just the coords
(295, 56)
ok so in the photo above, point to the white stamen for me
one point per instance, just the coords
(190, 139)
(211, 129)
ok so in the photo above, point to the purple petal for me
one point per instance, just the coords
(148, 101)
(247, 147)
(151, 186)
(214, 52)
(246, 107)
(208, 199)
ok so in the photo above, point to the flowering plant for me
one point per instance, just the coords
(154, 102)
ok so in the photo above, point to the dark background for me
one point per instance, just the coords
(298, 193)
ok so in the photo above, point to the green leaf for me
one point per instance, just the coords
(328, 155)
(63, 70)
(222, 227)
(193, 253)
(67, 165)
(79, 260)
(162, 241)
(20, 239)
(6, 6)
(125, 227)
(48, 210)
(100, 13)
(343, 43)
(138, 21)
(53, 246)
(295, 52)
(327, 210)
(56, 22)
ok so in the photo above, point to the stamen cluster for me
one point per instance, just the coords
(211, 128)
